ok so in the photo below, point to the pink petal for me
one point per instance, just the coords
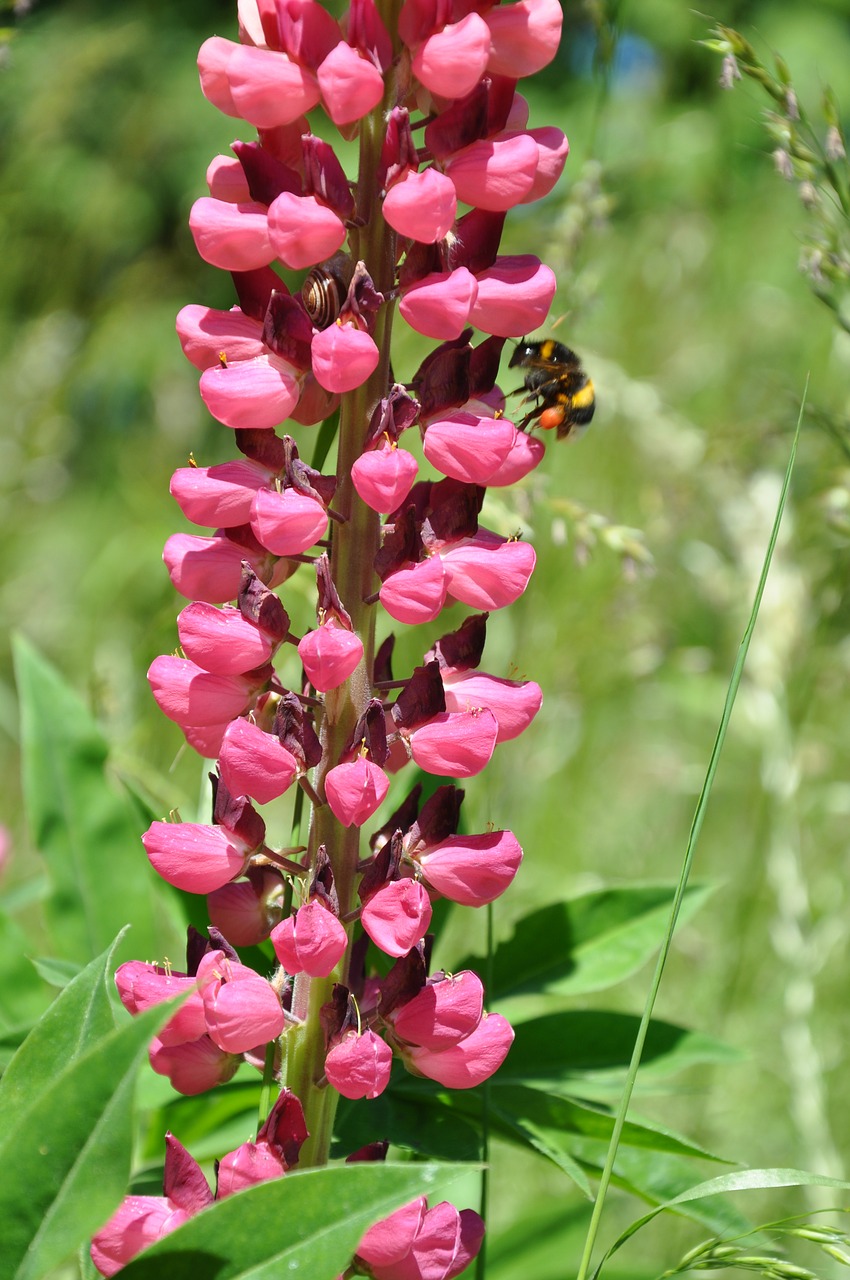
(451, 62)
(526, 453)
(213, 58)
(397, 916)
(254, 394)
(205, 334)
(486, 572)
(139, 1222)
(355, 790)
(267, 88)
(432, 1252)
(422, 206)
(359, 1066)
(343, 357)
(472, 870)
(391, 1238)
(242, 1012)
(415, 593)
(287, 523)
(350, 84)
(222, 640)
(384, 477)
(439, 304)
(455, 744)
(553, 149)
(514, 703)
(245, 911)
(234, 237)
(226, 180)
(218, 496)
(473, 1060)
(330, 654)
(192, 856)
(303, 232)
(312, 941)
(443, 1012)
(468, 448)
(195, 1067)
(495, 173)
(514, 296)
(256, 764)
(524, 37)
(191, 696)
(210, 568)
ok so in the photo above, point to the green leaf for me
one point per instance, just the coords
(412, 1113)
(306, 1224)
(84, 827)
(741, 1180)
(23, 995)
(562, 1048)
(58, 973)
(65, 1152)
(585, 944)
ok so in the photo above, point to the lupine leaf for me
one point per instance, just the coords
(564, 1047)
(306, 1224)
(23, 995)
(416, 1114)
(586, 943)
(84, 827)
(65, 1156)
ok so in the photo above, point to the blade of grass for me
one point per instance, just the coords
(696, 827)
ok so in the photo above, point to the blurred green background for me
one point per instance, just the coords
(676, 246)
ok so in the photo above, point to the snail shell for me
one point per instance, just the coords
(323, 295)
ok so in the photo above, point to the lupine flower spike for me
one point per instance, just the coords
(393, 536)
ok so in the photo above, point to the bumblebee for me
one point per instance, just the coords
(563, 393)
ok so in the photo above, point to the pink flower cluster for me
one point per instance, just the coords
(447, 130)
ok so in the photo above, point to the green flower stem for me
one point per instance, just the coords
(354, 544)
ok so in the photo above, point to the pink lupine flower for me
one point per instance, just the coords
(330, 654)
(223, 641)
(422, 206)
(416, 592)
(234, 237)
(219, 496)
(495, 173)
(458, 744)
(383, 477)
(524, 36)
(142, 1220)
(142, 985)
(469, 1062)
(514, 296)
(439, 304)
(312, 941)
(287, 523)
(275, 1151)
(359, 1066)
(487, 571)
(397, 916)
(241, 1008)
(343, 357)
(467, 447)
(258, 393)
(355, 790)
(472, 870)
(514, 703)
(302, 231)
(191, 696)
(390, 1239)
(450, 62)
(261, 86)
(194, 1067)
(194, 857)
(255, 763)
(526, 453)
(246, 911)
(350, 84)
(211, 568)
(444, 1012)
(445, 1244)
(205, 739)
(205, 333)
